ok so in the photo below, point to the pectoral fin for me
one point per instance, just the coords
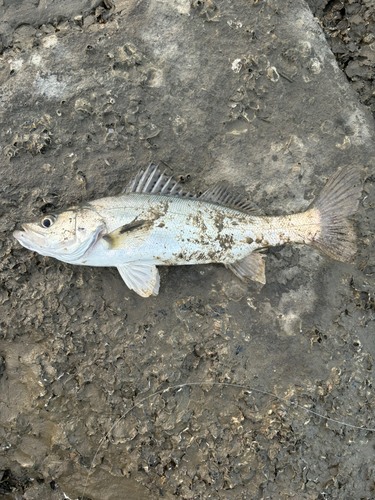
(141, 277)
(134, 233)
(252, 267)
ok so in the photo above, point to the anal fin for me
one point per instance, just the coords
(251, 267)
(141, 277)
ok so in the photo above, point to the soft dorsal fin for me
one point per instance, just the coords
(219, 194)
(152, 181)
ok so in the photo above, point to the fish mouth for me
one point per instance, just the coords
(21, 238)
(28, 238)
(19, 234)
(27, 228)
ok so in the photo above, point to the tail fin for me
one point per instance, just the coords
(338, 200)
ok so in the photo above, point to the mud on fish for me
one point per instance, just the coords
(154, 222)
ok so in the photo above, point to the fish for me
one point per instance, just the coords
(155, 222)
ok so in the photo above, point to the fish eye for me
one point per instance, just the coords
(47, 221)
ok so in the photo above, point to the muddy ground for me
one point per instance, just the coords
(261, 95)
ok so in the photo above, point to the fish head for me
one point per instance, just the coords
(66, 236)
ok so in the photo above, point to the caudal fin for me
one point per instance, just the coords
(337, 201)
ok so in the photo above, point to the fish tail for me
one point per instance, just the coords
(337, 201)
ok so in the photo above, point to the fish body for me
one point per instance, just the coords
(154, 222)
(183, 231)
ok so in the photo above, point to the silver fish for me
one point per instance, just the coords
(154, 222)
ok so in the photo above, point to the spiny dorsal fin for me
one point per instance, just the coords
(219, 194)
(152, 181)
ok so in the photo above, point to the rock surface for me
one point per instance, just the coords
(245, 92)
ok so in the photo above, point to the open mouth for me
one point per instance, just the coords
(20, 237)
(18, 234)
(27, 239)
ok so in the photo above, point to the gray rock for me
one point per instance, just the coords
(245, 93)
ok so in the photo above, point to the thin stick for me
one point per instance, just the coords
(222, 384)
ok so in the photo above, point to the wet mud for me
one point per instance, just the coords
(250, 93)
